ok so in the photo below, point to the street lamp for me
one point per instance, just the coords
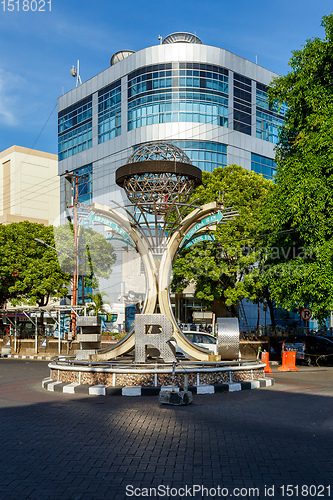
(42, 242)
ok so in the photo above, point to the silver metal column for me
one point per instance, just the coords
(228, 338)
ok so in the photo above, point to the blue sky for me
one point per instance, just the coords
(37, 49)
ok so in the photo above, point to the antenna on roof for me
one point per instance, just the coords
(75, 72)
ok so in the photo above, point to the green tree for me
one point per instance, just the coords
(96, 255)
(220, 270)
(97, 304)
(29, 272)
(299, 267)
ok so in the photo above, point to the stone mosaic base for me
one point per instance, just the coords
(115, 379)
(105, 390)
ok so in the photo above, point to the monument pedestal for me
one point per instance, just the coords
(90, 337)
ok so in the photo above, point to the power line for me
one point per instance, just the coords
(10, 203)
(47, 120)
(22, 200)
(284, 231)
(170, 137)
(217, 127)
(192, 128)
(51, 183)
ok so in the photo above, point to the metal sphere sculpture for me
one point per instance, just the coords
(157, 177)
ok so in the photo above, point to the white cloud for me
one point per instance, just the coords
(10, 87)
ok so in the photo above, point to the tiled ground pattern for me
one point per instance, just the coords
(59, 446)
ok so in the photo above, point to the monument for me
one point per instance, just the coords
(159, 179)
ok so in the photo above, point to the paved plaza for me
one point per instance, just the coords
(265, 443)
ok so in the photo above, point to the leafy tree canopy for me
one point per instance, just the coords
(218, 268)
(300, 210)
(29, 271)
(95, 254)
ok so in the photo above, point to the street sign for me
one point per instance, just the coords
(207, 221)
(201, 237)
(306, 313)
(43, 344)
(107, 222)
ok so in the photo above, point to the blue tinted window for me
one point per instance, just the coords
(270, 117)
(75, 129)
(84, 186)
(75, 115)
(85, 193)
(263, 165)
(109, 112)
(77, 140)
(267, 126)
(242, 104)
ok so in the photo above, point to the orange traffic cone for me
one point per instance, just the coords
(288, 362)
(265, 359)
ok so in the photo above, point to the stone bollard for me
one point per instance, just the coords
(175, 398)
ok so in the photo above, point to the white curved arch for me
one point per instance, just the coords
(164, 273)
(127, 343)
(154, 289)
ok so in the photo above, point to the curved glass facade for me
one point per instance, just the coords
(178, 92)
(204, 154)
(196, 85)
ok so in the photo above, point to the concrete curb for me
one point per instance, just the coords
(130, 391)
(36, 357)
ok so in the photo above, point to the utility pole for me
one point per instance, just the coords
(76, 181)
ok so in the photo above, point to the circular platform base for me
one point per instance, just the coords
(129, 378)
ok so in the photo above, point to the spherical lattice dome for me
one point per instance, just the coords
(159, 151)
(157, 176)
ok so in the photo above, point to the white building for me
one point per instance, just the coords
(29, 185)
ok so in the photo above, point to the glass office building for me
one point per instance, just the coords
(210, 102)
(206, 100)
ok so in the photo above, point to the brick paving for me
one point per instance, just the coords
(64, 446)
